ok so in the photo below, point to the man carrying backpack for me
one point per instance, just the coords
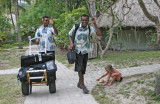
(79, 40)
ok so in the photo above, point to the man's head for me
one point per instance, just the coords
(45, 20)
(84, 20)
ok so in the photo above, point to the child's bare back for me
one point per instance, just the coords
(111, 72)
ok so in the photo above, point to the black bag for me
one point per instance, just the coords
(29, 60)
(34, 59)
(71, 56)
(50, 67)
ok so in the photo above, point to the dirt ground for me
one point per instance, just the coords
(137, 89)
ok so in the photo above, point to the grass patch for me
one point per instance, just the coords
(135, 59)
(99, 94)
(10, 93)
(10, 58)
(120, 60)
(61, 56)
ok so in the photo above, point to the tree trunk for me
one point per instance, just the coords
(157, 87)
(108, 43)
(158, 33)
(91, 7)
(18, 27)
(152, 18)
(92, 12)
(93, 53)
(110, 34)
(12, 18)
(66, 5)
(157, 3)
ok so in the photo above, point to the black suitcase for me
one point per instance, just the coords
(35, 59)
(50, 67)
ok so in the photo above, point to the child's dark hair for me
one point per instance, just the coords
(109, 67)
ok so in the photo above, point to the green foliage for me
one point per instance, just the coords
(64, 19)
(114, 37)
(5, 25)
(103, 5)
(66, 22)
(9, 45)
(151, 36)
(74, 4)
(30, 20)
(4, 28)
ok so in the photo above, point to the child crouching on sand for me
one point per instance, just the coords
(111, 72)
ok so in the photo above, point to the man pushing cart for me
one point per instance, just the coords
(40, 68)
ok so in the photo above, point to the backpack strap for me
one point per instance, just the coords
(89, 31)
(76, 28)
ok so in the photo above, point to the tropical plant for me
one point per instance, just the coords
(65, 24)
(30, 20)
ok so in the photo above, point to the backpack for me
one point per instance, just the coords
(76, 28)
(71, 55)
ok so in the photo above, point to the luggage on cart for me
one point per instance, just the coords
(39, 68)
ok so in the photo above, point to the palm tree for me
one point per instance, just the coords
(18, 27)
(8, 4)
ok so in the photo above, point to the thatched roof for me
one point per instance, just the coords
(135, 17)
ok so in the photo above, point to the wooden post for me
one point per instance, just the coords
(157, 87)
(93, 53)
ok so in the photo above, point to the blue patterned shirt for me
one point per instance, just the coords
(45, 34)
(81, 40)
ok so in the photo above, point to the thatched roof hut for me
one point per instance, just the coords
(135, 16)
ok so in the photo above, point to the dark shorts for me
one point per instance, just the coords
(81, 62)
(120, 79)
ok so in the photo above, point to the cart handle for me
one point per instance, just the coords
(30, 41)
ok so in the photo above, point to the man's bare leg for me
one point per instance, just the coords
(81, 82)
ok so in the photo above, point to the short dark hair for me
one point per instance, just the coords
(45, 17)
(85, 15)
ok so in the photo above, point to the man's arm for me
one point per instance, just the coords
(70, 37)
(98, 33)
(36, 36)
(37, 41)
(71, 42)
(52, 23)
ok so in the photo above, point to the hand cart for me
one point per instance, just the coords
(37, 69)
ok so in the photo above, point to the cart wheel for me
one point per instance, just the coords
(25, 88)
(52, 86)
(30, 87)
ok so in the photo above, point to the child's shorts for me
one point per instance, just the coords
(120, 79)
